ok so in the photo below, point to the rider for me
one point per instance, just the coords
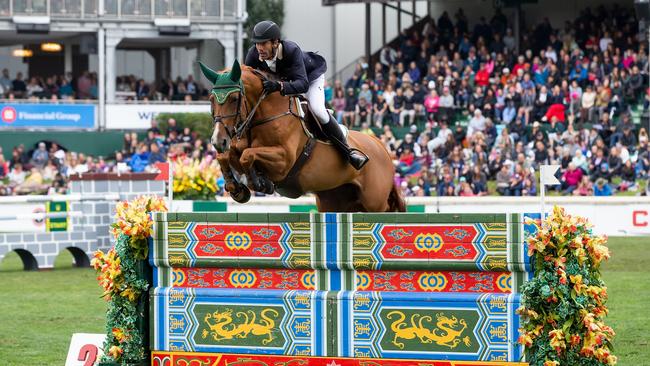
(299, 73)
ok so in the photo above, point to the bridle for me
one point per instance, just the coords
(243, 126)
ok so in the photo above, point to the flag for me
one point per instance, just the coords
(547, 174)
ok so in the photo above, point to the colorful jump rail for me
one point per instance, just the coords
(281, 289)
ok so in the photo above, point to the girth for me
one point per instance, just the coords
(290, 187)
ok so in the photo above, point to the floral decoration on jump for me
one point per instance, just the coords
(119, 273)
(563, 306)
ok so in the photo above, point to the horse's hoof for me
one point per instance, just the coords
(241, 195)
(263, 185)
(231, 187)
(269, 187)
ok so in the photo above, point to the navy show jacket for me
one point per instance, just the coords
(296, 68)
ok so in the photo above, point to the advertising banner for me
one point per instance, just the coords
(139, 116)
(58, 223)
(23, 224)
(47, 116)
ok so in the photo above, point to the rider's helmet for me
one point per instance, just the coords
(265, 30)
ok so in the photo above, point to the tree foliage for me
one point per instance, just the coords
(259, 10)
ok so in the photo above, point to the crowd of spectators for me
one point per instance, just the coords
(84, 87)
(46, 168)
(476, 110)
(54, 87)
(178, 89)
(462, 111)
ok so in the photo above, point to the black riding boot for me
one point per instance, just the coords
(334, 133)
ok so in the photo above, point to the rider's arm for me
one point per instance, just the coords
(297, 82)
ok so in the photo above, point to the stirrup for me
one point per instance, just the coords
(357, 158)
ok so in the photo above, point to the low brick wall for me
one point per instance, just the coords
(86, 233)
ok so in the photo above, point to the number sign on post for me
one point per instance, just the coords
(85, 349)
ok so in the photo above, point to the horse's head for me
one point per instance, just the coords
(228, 102)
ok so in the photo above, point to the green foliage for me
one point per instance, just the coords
(199, 122)
(259, 10)
(122, 313)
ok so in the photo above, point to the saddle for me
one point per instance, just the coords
(309, 121)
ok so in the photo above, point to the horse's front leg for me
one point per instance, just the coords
(239, 192)
(270, 159)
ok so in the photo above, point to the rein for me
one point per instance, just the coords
(243, 126)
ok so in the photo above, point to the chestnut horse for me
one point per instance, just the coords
(263, 138)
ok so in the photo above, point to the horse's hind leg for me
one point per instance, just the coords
(351, 198)
(341, 199)
(374, 199)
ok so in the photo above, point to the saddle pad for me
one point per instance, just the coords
(300, 103)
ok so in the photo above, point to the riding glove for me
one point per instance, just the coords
(271, 86)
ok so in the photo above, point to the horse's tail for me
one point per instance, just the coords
(395, 200)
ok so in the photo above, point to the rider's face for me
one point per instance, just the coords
(266, 49)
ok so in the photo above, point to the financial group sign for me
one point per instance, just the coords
(47, 116)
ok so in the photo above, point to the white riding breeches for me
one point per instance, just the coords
(316, 97)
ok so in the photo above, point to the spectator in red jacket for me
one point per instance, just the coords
(521, 64)
(482, 76)
(555, 110)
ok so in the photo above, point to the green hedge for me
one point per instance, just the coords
(199, 122)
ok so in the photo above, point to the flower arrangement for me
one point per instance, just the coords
(121, 275)
(563, 306)
(132, 220)
(194, 179)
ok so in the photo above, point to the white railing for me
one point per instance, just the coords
(41, 216)
(464, 201)
(212, 10)
(609, 215)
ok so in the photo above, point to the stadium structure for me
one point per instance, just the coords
(159, 40)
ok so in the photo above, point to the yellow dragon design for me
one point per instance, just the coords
(222, 327)
(447, 331)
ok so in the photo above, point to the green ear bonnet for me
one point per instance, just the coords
(225, 83)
